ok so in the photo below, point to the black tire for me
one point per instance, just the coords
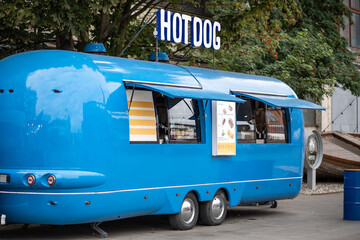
(274, 204)
(210, 216)
(189, 213)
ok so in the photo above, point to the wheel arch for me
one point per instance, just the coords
(203, 196)
(226, 192)
(196, 193)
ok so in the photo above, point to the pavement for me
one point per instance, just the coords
(314, 217)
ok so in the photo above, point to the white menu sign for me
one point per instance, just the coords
(223, 128)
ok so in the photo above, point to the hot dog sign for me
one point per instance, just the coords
(174, 27)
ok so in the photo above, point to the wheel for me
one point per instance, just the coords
(273, 204)
(214, 212)
(188, 215)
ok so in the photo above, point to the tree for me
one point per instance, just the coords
(114, 18)
(326, 18)
(296, 41)
(34, 24)
(26, 25)
(241, 18)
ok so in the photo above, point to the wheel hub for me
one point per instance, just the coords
(217, 207)
(187, 211)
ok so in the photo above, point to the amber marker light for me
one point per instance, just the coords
(57, 91)
(88, 203)
(146, 197)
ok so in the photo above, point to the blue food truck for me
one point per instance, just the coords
(88, 138)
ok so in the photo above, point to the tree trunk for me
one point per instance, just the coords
(104, 27)
(81, 45)
(63, 42)
(121, 33)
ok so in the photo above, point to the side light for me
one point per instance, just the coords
(51, 180)
(31, 180)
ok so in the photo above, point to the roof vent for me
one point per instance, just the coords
(162, 57)
(96, 48)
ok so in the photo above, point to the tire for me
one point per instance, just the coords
(187, 217)
(214, 212)
(274, 204)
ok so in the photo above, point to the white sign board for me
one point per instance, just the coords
(223, 128)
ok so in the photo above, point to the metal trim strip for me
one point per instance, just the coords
(144, 189)
(161, 84)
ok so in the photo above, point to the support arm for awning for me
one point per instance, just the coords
(132, 95)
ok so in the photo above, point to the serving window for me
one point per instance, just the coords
(245, 120)
(275, 125)
(258, 122)
(155, 118)
(183, 115)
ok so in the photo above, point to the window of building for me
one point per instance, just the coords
(260, 123)
(352, 32)
(155, 118)
(354, 4)
(355, 31)
(345, 32)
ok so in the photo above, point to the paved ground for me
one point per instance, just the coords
(312, 217)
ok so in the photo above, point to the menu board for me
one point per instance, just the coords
(223, 128)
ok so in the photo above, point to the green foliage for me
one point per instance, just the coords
(26, 25)
(243, 19)
(326, 18)
(303, 61)
(306, 63)
(297, 42)
(69, 24)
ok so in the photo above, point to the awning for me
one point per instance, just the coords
(281, 101)
(178, 92)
